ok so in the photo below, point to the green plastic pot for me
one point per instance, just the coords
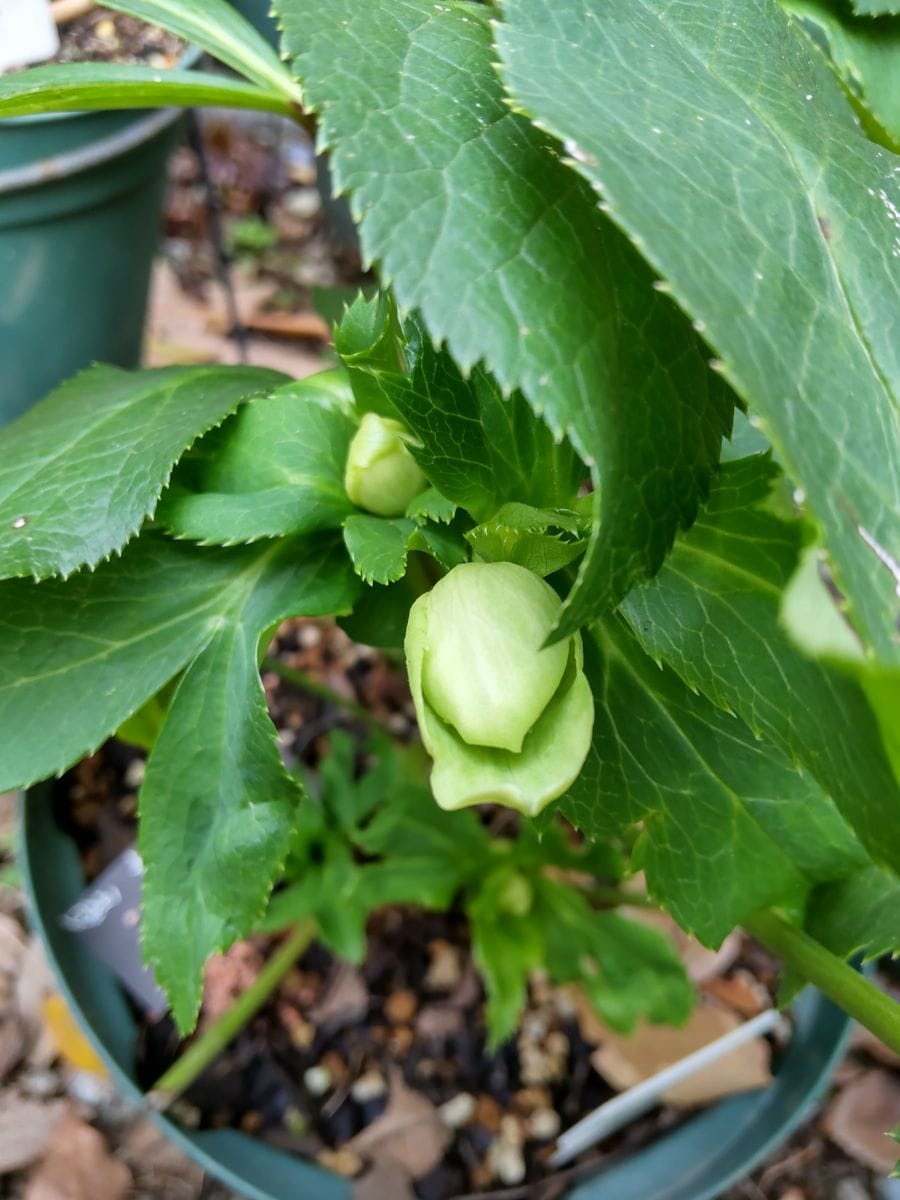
(81, 198)
(697, 1161)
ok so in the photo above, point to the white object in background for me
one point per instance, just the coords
(643, 1096)
(27, 33)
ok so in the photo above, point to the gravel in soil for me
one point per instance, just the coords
(104, 36)
(386, 1063)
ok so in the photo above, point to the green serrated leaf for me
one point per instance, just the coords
(726, 818)
(218, 28)
(857, 915)
(430, 505)
(533, 538)
(815, 622)
(142, 728)
(478, 448)
(380, 614)
(276, 468)
(722, 143)
(82, 87)
(876, 8)
(864, 52)
(68, 648)
(378, 546)
(505, 950)
(628, 970)
(446, 546)
(713, 614)
(82, 469)
(217, 805)
(411, 825)
(475, 221)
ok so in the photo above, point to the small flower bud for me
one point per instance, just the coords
(381, 475)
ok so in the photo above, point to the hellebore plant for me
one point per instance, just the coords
(614, 453)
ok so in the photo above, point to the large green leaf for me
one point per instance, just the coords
(858, 915)
(275, 468)
(541, 540)
(729, 825)
(76, 87)
(713, 614)
(723, 144)
(478, 448)
(865, 53)
(217, 805)
(378, 546)
(477, 223)
(79, 656)
(81, 470)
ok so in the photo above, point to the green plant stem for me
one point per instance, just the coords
(611, 897)
(307, 684)
(201, 1052)
(854, 993)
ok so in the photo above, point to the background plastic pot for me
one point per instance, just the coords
(695, 1162)
(80, 204)
(337, 210)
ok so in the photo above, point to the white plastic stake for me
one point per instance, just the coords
(643, 1096)
(27, 33)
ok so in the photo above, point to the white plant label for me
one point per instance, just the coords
(27, 33)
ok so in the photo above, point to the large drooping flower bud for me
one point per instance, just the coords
(506, 719)
(381, 475)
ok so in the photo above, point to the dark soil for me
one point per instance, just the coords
(104, 36)
(319, 1063)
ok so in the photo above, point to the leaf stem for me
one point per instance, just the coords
(306, 683)
(612, 897)
(201, 1052)
(854, 993)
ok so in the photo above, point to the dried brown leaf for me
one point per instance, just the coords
(13, 1043)
(625, 1061)
(227, 976)
(740, 991)
(408, 1132)
(439, 1021)
(345, 1002)
(158, 1165)
(34, 981)
(700, 962)
(26, 1128)
(12, 944)
(387, 1180)
(183, 330)
(78, 1166)
(859, 1117)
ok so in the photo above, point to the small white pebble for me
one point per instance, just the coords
(309, 636)
(507, 1163)
(369, 1086)
(543, 1124)
(457, 1111)
(511, 1130)
(317, 1080)
(134, 773)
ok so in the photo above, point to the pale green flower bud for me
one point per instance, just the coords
(507, 719)
(381, 475)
